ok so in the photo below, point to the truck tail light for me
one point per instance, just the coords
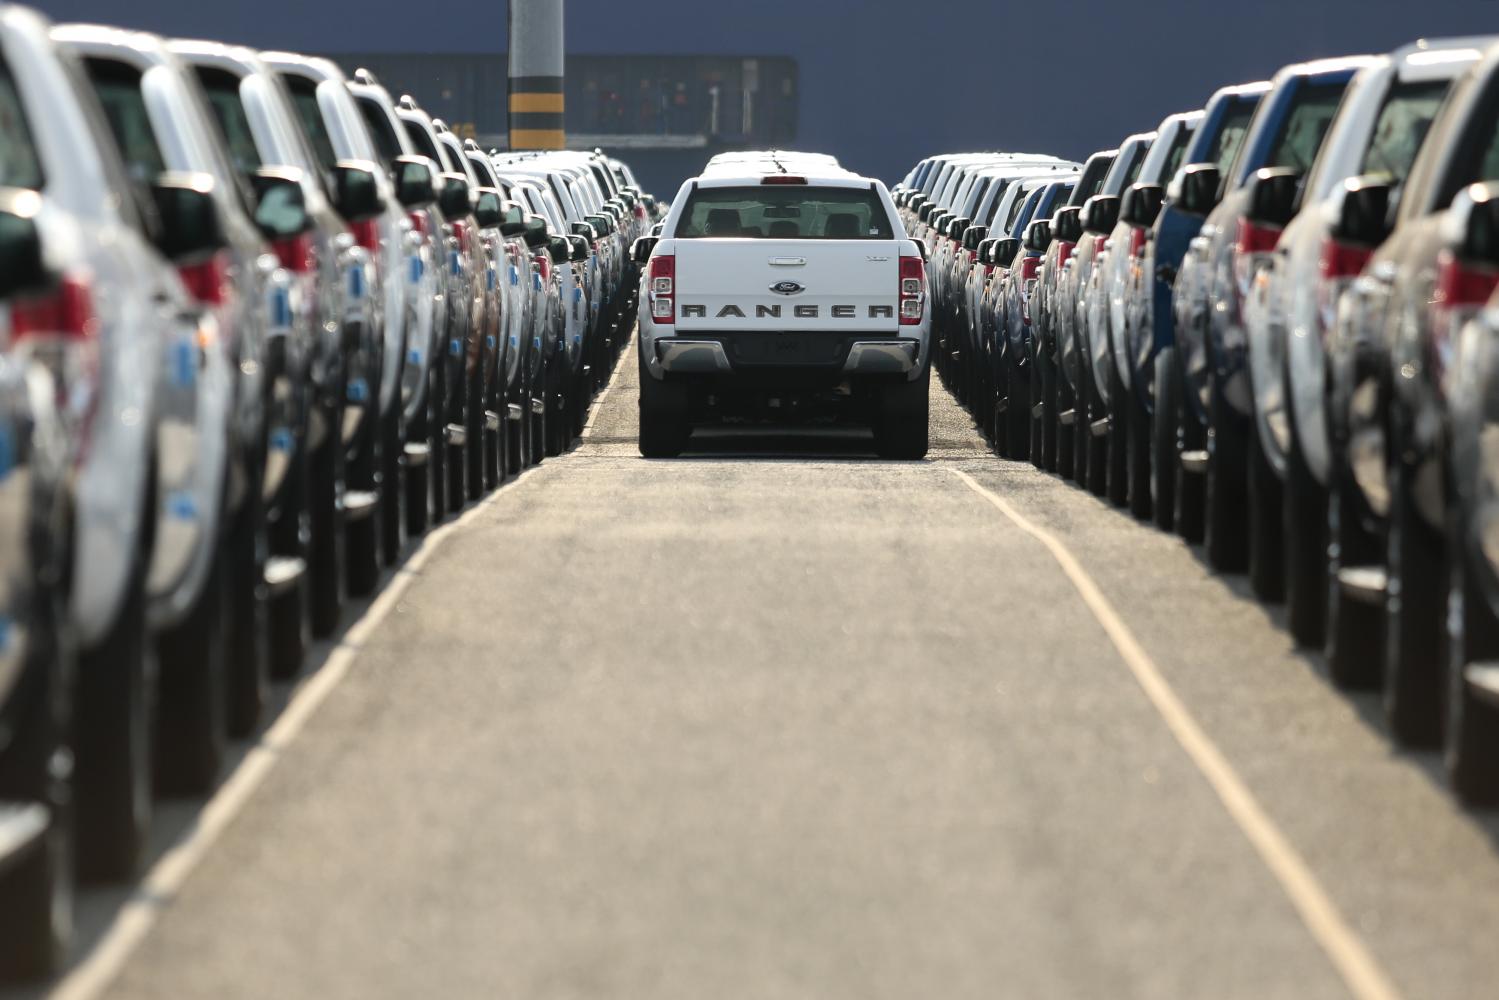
(65, 312)
(783, 179)
(420, 224)
(1463, 286)
(639, 210)
(367, 234)
(1028, 267)
(1100, 243)
(296, 253)
(1064, 253)
(543, 263)
(1255, 238)
(912, 291)
(460, 232)
(663, 289)
(208, 280)
(1136, 241)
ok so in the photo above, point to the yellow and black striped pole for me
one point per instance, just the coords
(536, 58)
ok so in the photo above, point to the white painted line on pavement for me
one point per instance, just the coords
(1362, 973)
(161, 884)
(598, 404)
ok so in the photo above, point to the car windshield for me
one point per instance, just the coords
(19, 165)
(792, 212)
(1301, 134)
(222, 90)
(119, 88)
(1401, 128)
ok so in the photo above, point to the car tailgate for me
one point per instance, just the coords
(760, 284)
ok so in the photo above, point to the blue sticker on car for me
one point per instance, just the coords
(514, 275)
(359, 390)
(282, 439)
(7, 450)
(184, 364)
(182, 506)
(414, 356)
(356, 281)
(455, 347)
(281, 308)
(417, 268)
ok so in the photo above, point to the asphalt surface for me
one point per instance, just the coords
(778, 720)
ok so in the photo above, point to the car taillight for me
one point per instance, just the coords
(1463, 286)
(367, 234)
(296, 253)
(639, 210)
(460, 232)
(1028, 267)
(1136, 241)
(421, 224)
(662, 285)
(1255, 238)
(1064, 253)
(543, 263)
(66, 311)
(208, 280)
(783, 179)
(912, 291)
(1100, 243)
(1342, 260)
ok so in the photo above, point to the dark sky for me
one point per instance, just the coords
(885, 82)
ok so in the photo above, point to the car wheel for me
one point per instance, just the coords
(1470, 750)
(1017, 418)
(1094, 447)
(1066, 434)
(1355, 630)
(1414, 612)
(1139, 450)
(475, 436)
(191, 723)
(362, 528)
(112, 723)
(1266, 542)
(392, 485)
(901, 424)
(1191, 485)
(538, 419)
(1164, 422)
(326, 568)
(1224, 525)
(516, 441)
(558, 421)
(1044, 441)
(1304, 522)
(1117, 438)
(248, 622)
(664, 424)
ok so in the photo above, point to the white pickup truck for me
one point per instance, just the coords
(778, 296)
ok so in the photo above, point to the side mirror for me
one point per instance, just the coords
(1141, 204)
(583, 229)
(489, 209)
(535, 233)
(190, 224)
(1101, 214)
(514, 221)
(900, 199)
(1004, 251)
(1067, 224)
(454, 200)
(1273, 194)
(1037, 236)
(986, 251)
(1471, 226)
(1362, 217)
(973, 236)
(281, 206)
(23, 266)
(560, 249)
(957, 227)
(1195, 189)
(414, 182)
(925, 212)
(641, 250)
(916, 201)
(582, 247)
(356, 191)
(600, 226)
(941, 220)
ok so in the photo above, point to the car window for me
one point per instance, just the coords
(387, 142)
(1401, 128)
(19, 165)
(422, 140)
(1092, 180)
(481, 167)
(1132, 174)
(118, 86)
(1177, 153)
(785, 212)
(1230, 137)
(304, 101)
(1301, 133)
(222, 91)
(1015, 207)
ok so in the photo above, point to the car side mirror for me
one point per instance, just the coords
(1471, 226)
(1101, 214)
(489, 209)
(190, 223)
(973, 236)
(600, 226)
(641, 250)
(560, 249)
(356, 191)
(514, 221)
(1067, 224)
(1273, 195)
(1195, 189)
(925, 212)
(1141, 204)
(985, 251)
(535, 233)
(454, 200)
(1005, 250)
(1037, 236)
(23, 266)
(957, 227)
(414, 181)
(581, 247)
(1362, 216)
(583, 229)
(281, 204)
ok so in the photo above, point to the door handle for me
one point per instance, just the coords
(787, 261)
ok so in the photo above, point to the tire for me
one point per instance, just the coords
(112, 723)
(1304, 520)
(1355, 631)
(1119, 411)
(1470, 745)
(1164, 422)
(476, 438)
(1191, 487)
(392, 486)
(1138, 451)
(437, 442)
(578, 404)
(1415, 608)
(289, 623)
(327, 564)
(1095, 450)
(1066, 435)
(1225, 523)
(538, 421)
(1266, 543)
(515, 444)
(1017, 420)
(191, 722)
(248, 622)
(664, 424)
(559, 421)
(1045, 457)
(901, 425)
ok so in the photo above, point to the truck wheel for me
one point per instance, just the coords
(191, 723)
(1267, 571)
(327, 564)
(538, 421)
(1120, 410)
(1066, 464)
(1470, 748)
(559, 421)
(1355, 629)
(1224, 526)
(392, 485)
(1046, 424)
(246, 629)
(664, 425)
(1017, 422)
(1304, 520)
(901, 426)
(1414, 610)
(1191, 490)
(1163, 426)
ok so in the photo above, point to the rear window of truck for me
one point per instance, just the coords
(1401, 128)
(784, 212)
(381, 130)
(119, 88)
(222, 90)
(1231, 133)
(19, 165)
(1306, 125)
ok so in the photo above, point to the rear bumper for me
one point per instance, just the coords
(835, 354)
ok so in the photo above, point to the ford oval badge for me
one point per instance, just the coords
(787, 288)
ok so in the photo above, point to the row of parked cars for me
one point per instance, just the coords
(1272, 326)
(260, 324)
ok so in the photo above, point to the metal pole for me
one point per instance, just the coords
(536, 72)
